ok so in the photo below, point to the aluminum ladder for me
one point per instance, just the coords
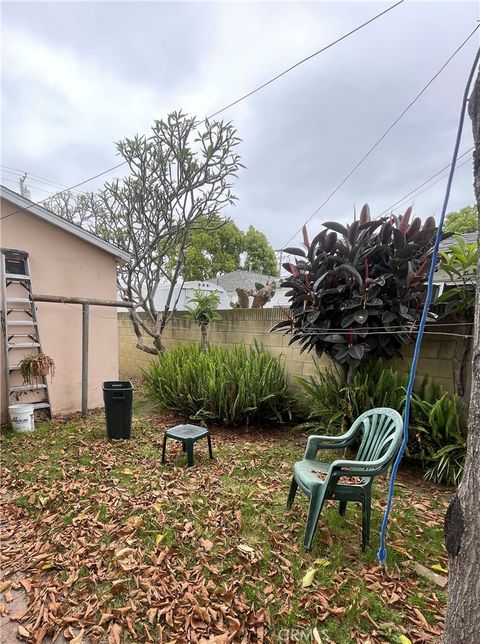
(20, 331)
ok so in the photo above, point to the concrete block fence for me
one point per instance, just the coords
(250, 325)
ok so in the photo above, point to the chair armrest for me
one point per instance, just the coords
(314, 443)
(357, 468)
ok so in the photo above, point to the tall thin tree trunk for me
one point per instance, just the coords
(462, 521)
(203, 329)
(461, 359)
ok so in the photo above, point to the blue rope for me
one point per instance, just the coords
(382, 551)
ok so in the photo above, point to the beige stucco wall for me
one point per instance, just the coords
(248, 325)
(63, 264)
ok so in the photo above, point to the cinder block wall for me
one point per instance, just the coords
(248, 325)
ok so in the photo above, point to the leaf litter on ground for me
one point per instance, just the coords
(109, 546)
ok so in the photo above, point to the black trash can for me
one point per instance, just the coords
(118, 396)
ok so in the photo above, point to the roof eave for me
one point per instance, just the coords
(121, 256)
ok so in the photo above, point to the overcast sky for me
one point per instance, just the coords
(77, 76)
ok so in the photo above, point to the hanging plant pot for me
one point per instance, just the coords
(36, 366)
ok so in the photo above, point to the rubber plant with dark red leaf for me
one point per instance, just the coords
(356, 291)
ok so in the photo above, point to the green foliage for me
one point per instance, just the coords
(356, 290)
(334, 404)
(436, 436)
(201, 308)
(228, 386)
(462, 221)
(216, 245)
(437, 433)
(460, 264)
(213, 249)
(260, 256)
(322, 398)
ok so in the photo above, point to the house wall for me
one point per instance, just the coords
(248, 325)
(63, 264)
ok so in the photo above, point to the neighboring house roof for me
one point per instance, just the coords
(203, 285)
(242, 279)
(41, 212)
(469, 238)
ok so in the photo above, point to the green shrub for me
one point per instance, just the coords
(228, 386)
(436, 433)
(334, 404)
(326, 409)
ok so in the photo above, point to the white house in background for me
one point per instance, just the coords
(186, 292)
(226, 285)
(280, 299)
(229, 282)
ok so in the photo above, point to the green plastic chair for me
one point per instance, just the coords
(381, 431)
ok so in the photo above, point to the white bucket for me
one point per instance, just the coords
(22, 418)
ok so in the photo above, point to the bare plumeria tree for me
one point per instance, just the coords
(180, 178)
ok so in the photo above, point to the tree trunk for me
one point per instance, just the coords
(157, 339)
(461, 359)
(462, 521)
(203, 329)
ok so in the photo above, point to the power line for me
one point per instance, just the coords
(15, 182)
(304, 60)
(242, 98)
(413, 193)
(34, 177)
(30, 180)
(81, 183)
(437, 181)
(377, 143)
(394, 327)
(17, 171)
(371, 330)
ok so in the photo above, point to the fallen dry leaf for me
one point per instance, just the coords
(22, 631)
(103, 531)
(308, 577)
(79, 638)
(114, 633)
(208, 545)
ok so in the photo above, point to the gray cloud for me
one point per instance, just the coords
(78, 76)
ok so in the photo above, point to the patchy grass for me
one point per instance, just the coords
(128, 550)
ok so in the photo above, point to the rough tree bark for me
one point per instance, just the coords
(260, 298)
(461, 360)
(462, 521)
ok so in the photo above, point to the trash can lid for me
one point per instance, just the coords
(115, 385)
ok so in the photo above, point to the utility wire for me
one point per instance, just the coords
(423, 184)
(389, 129)
(407, 328)
(304, 60)
(403, 202)
(34, 177)
(242, 98)
(15, 182)
(57, 194)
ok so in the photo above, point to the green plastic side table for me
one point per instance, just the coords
(188, 435)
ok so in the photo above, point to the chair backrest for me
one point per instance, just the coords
(381, 430)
